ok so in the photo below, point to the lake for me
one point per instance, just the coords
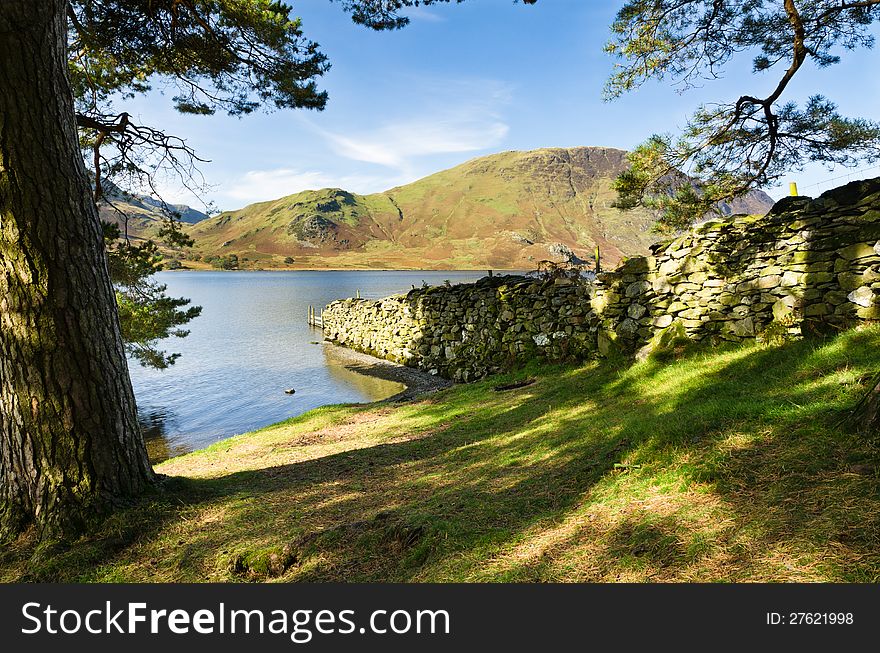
(250, 344)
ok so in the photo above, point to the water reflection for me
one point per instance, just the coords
(157, 426)
(372, 388)
(251, 343)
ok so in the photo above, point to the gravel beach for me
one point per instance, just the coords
(417, 382)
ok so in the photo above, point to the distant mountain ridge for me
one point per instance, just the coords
(144, 214)
(502, 211)
(187, 214)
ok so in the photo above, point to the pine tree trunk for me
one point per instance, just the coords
(70, 445)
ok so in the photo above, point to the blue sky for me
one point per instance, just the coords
(462, 81)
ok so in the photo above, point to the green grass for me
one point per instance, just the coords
(716, 465)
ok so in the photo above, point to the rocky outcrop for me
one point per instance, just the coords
(807, 266)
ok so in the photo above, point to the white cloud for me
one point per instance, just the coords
(395, 145)
(262, 185)
(454, 116)
(422, 14)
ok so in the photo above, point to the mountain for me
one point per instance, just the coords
(144, 214)
(187, 214)
(503, 211)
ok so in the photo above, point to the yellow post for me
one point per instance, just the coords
(359, 293)
(793, 188)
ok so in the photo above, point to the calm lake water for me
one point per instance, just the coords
(252, 342)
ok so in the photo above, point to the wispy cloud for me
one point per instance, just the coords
(454, 116)
(422, 14)
(261, 185)
(396, 145)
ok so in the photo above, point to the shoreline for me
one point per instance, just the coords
(417, 382)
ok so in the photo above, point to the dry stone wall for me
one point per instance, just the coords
(467, 331)
(807, 266)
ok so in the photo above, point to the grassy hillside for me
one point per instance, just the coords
(504, 211)
(145, 215)
(713, 465)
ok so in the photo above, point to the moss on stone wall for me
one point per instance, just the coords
(810, 265)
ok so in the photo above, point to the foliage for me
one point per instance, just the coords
(780, 331)
(551, 270)
(228, 262)
(146, 313)
(732, 147)
(385, 14)
(234, 56)
(230, 55)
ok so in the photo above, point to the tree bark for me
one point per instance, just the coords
(70, 445)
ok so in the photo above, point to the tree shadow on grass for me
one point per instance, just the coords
(723, 464)
(788, 495)
(791, 486)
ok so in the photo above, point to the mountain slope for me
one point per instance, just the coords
(144, 214)
(507, 210)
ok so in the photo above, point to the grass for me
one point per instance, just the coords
(715, 465)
